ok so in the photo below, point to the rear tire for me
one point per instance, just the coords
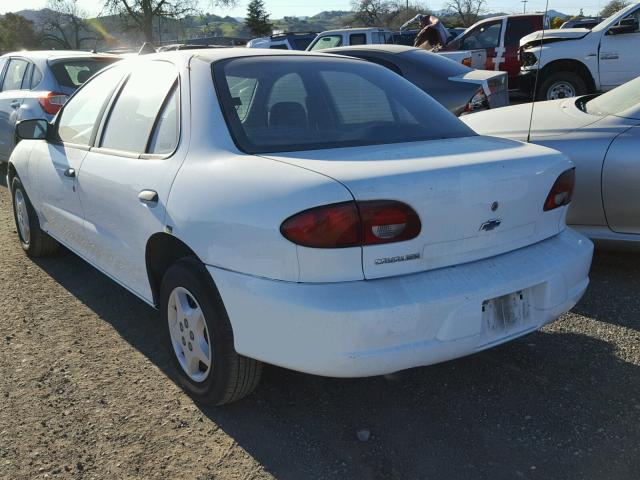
(198, 333)
(33, 239)
(561, 85)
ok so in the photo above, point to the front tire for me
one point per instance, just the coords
(33, 239)
(561, 85)
(200, 338)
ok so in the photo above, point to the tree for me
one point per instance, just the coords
(17, 33)
(64, 26)
(556, 22)
(370, 13)
(467, 11)
(257, 20)
(612, 7)
(142, 12)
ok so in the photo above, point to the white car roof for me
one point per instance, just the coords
(55, 54)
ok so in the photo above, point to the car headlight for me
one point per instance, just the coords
(528, 59)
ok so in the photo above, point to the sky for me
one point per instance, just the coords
(280, 8)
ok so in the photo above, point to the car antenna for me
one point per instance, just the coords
(535, 84)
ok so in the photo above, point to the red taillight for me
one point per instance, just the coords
(561, 191)
(51, 102)
(386, 221)
(352, 224)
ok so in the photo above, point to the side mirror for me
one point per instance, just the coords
(626, 25)
(32, 129)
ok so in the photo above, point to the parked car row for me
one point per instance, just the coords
(36, 85)
(316, 212)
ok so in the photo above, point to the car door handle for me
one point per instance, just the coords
(150, 197)
(70, 172)
(15, 103)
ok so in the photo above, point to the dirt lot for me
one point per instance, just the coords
(86, 392)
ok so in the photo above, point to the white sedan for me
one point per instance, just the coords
(310, 211)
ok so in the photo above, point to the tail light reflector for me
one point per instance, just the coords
(352, 224)
(52, 102)
(562, 190)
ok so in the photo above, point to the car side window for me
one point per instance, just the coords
(15, 74)
(165, 135)
(483, 36)
(36, 77)
(242, 91)
(516, 29)
(78, 117)
(329, 41)
(137, 106)
(358, 39)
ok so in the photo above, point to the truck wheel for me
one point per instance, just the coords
(561, 85)
(200, 337)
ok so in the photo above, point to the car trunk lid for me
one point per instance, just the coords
(476, 196)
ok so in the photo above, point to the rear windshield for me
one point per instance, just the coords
(277, 104)
(74, 72)
(436, 65)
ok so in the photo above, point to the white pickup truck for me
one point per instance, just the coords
(575, 61)
(372, 35)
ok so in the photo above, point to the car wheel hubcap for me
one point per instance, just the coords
(22, 215)
(561, 90)
(189, 335)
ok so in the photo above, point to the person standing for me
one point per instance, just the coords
(429, 25)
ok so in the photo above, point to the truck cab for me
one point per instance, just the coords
(500, 38)
(576, 61)
(351, 36)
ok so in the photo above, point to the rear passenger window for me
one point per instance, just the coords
(165, 135)
(15, 74)
(36, 77)
(242, 91)
(358, 39)
(135, 110)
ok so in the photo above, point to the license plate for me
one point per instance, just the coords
(505, 314)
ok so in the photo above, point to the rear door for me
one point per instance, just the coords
(125, 179)
(11, 95)
(618, 58)
(517, 27)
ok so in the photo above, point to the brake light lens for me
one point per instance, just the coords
(52, 102)
(352, 224)
(562, 190)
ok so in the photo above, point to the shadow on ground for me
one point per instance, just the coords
(555, 404)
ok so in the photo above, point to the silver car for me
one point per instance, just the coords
(601, 134)
(36, 85)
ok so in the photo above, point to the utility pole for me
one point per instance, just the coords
(524, 6)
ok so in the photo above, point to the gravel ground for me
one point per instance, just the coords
(86, 391)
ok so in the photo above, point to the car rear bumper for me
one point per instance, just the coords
(374, 327)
